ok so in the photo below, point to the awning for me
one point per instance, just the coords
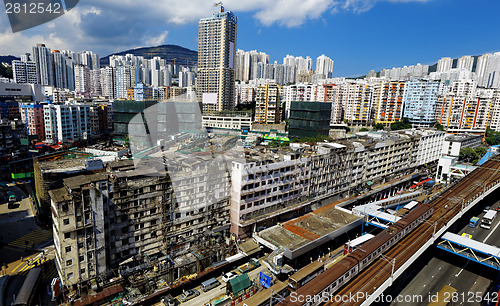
(369, 183)
(240, 283)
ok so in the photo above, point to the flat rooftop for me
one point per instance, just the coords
(308, 231)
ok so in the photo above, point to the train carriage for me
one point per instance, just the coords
(314, 292)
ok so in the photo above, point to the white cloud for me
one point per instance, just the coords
(157, 40)
(115, 25)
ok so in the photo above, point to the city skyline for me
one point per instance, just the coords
(280, 31)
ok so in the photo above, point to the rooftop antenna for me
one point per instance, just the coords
(219, 4)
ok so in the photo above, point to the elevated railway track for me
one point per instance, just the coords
(367, 284)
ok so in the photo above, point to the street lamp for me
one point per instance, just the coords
(391, 261)
(433, 224)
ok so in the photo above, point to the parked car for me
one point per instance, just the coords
(209, 284)
(498, 208)
(229, 275)
(188, 294)
(168, 300)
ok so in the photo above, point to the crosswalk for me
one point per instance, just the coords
(49, 270)
(32, 238)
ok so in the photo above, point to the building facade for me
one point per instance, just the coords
(216, 54)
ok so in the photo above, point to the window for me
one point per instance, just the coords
(69, 262)
(68, 249)
(67, 235)
(82, 271)
(66, 221)
(81, 258)
(65, 208)
(70, 275)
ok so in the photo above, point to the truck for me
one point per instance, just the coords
(249, 266)
(473, 221)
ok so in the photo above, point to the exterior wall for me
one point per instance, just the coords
(454, 143)
(216, 54)
(429, 148)
(268, 104)
(390, 102)
(33, 116)
(260, 187)
(420, 102)
(227, 122)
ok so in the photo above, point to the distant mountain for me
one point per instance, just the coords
(170, 53)
(8, 59)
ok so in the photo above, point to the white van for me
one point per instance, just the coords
(209, 284)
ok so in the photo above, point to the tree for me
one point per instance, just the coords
(6, 72)
(401, 125)
(363, 130)
(378, 126)
(438, 126)
(472, 155)
(492, 137)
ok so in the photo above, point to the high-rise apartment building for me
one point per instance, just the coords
(216, 54)
(66, 122)
(324, 66)
(268, 104)
(390, 103)
(444, 64)
(465, 108)
(420, 102)
(32, 116)
(358, 102)
(465, 62)
(82, 79)
(108, 82)
(24, 72)
(44, 65)
(492, 73)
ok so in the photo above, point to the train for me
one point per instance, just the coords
(321, 289)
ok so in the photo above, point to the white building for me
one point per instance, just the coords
(324, 66)
(66, 122)
(420, 102)
(465, 62)
(24, 72)
(444, 64)
(44, 65)
(454, 143)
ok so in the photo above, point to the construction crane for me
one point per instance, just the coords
(217, 4)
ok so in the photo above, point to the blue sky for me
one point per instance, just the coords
(358, 34)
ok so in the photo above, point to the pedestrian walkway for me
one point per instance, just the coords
(32, 238)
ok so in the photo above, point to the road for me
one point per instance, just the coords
(205, 297)
(22, 241)
(439, 272)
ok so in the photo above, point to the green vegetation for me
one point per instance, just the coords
(277, 144)
(378, 126)
(363, 130)
(472, 155)
(319, 138)
(6, 72)
(401, 125)
(492, 137)
(438, 126)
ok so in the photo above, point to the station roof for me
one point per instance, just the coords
(473, 244)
